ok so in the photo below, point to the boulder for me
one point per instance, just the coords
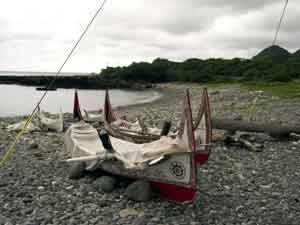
(139, 191)
(77, 170)
(106, 183)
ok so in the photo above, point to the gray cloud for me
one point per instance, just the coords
(37, 35)
(237, 4)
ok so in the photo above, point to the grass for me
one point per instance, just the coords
(286, 89)
(280, 89)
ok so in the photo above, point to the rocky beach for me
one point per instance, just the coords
(236, 186)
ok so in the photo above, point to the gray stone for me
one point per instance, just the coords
(2, 219)
(140, 191)
(140, 220)
(26, 211)
(33, 145)
(77, 170)
(105, 183)
(128, 212)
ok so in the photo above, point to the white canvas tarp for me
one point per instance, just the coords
(82, 139)
(19, 126)
(40, 122)
(49, 123)
(93, 117)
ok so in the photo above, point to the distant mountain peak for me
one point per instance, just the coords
(273, 52)
(297, 53)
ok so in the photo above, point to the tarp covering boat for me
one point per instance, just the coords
(20, 125)
(40, 122)
(82, 139)
(47, 123)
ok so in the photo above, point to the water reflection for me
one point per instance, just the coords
(20, 100)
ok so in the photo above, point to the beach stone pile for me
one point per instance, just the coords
(235, 186)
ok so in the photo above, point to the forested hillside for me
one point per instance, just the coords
(271, 64)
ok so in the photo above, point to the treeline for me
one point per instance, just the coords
(273, 64)
(210, 70)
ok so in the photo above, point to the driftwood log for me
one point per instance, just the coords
(273, 129)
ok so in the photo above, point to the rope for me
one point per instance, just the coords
(10, 149)
(280, 22)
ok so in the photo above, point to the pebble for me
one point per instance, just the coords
(140, 220)
(128, 212)
(69, 187)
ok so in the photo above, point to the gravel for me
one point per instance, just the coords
(235, 186)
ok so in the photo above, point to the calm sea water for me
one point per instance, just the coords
(26, 73)
(20, 100)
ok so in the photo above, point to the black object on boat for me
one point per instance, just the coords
(104, 137)
(45, 89)
(166, 128)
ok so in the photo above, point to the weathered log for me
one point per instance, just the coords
(274, 130)
(238, 139)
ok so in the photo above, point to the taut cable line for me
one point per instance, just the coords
(10, 149)
(280, 22)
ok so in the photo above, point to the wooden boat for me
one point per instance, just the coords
(168, 163)
(202, 128)
(124, 129)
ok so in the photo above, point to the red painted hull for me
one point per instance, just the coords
(201, 158)
(175, 193)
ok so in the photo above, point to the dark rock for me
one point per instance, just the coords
(26, 211)
(105, 183)
(4, 220)
(238, 117)
(3, 184)
(139, 191)
(77, 170)
(33, 145)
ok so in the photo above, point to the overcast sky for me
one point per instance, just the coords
(36, 35)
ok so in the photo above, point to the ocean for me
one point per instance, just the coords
(17, 100)
(27, 73)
